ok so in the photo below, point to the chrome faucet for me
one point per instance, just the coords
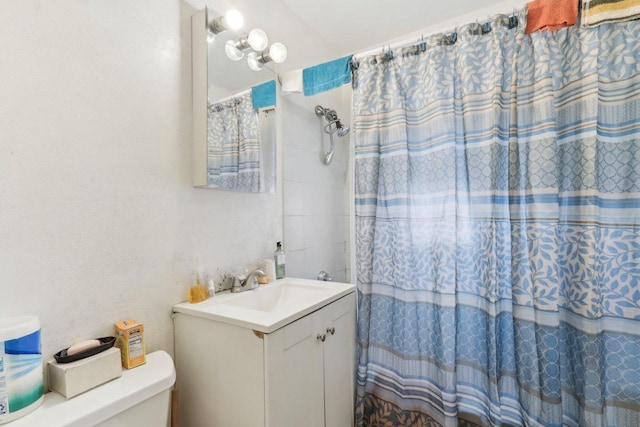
(246, 284)
(324, 276)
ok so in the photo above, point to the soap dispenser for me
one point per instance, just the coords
(278, 258)
(197, 292)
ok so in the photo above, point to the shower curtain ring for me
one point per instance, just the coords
(389, 53)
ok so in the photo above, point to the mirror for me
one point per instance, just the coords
(234, 145)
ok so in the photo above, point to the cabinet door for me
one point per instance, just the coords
(220, 374)
(294, 374)
(339, 362)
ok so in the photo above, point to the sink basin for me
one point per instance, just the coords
(279, 297)
(271, 306)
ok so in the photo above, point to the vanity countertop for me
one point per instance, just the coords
(269, 307)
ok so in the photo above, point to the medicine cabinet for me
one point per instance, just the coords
(234, 144)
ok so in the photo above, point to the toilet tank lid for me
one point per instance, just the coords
(103, 402)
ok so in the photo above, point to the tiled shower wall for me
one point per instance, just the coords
(316, 197)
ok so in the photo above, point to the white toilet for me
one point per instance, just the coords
(140, 398)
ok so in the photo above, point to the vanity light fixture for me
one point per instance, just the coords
(232, 20)
(256, 40)
(277, 53)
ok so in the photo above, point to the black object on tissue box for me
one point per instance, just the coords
(105, 343)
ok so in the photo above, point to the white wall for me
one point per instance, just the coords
(98, 218)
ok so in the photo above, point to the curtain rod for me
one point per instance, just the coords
(430, 31)
(230, 97)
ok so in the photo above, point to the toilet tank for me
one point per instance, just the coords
(141, 398)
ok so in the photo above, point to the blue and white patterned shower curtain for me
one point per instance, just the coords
(498, 229)
(233, 145)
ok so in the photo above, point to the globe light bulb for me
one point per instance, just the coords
(232, 51)
(234, 19)
(278, 53)
(258, 39)
(231, 20)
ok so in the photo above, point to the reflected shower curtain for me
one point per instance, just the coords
(498, 229)
(233, 145)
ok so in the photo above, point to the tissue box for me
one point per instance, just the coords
(71, 379)
(130, 341)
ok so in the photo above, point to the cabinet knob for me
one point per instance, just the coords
(321, 337)
(331, 330)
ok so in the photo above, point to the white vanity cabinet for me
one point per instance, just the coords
(301, 374)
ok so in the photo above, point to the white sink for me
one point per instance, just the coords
(280, 296)
(271, 306)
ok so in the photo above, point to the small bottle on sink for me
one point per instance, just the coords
(278, 258)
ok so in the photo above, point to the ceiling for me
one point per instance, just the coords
(350, 26)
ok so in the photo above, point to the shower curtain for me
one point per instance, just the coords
(498, 228)
(233, 145)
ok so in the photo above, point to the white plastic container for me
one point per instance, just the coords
(269, 267)
(21, 374)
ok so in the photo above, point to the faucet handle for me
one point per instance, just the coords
(240, 272)
(228, 281)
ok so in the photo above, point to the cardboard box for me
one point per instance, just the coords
(130, 341)
(71, 379)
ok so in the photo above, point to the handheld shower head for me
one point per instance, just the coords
(328, 157)
(332, 127)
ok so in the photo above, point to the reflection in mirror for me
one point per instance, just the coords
(233, 149)
(234, 128)
(239, 145)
